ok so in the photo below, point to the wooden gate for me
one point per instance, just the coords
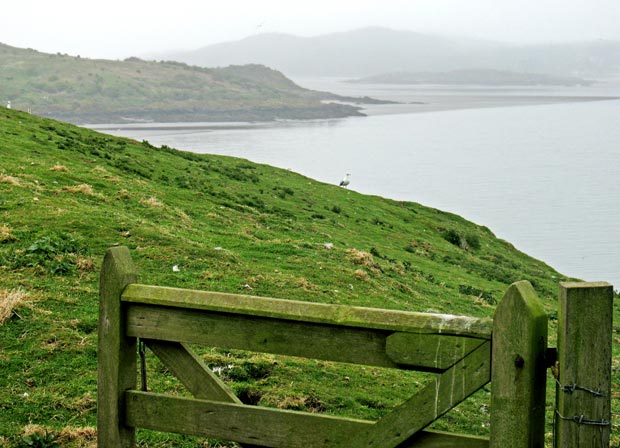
(459, 349)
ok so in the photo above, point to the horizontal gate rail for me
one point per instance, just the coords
(311, 312)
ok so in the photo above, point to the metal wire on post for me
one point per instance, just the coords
(142, 353)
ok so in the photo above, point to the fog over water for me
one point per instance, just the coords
(542, 176)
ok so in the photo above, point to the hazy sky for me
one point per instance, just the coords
(118, 29)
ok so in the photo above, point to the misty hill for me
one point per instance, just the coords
(102, 91)
(371, 51)
(473, 77)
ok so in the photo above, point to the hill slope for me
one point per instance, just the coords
(68, 193)
(101, 91)
(371, 51)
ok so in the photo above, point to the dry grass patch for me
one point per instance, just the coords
(78, 437)
(6, 234)
(100, 169)
(305, 284)
(9, 300)
(184, 216)
(5, 179)
(106, 174)
(363, 258)
(82, 188)
(152, 202)
(123, 194)
(85, 264)
(59, 168)
(360, 274)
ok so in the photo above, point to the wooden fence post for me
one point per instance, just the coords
(518, 371)
(583, 393)
(116, 371)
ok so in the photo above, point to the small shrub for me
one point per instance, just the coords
(57, 253)
(472, 240)
(452, 237)
(482, 296)
(39, 440)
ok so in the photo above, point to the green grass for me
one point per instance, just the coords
(104, 91)
(67, 194)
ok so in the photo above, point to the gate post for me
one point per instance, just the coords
(518, 370)
(116, 353)
(583, 392)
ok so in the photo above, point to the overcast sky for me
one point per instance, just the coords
(122, 28)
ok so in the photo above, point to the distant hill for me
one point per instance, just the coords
(371, 51)
(82, 90)
(475, 77)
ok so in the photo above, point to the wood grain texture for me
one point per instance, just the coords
(429, 351)
(519, 369)
(584, 358)
(116, 353)
(259, 334)
(441, 439)
(245, 424)
(340, 315)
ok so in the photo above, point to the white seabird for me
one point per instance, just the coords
(344, 182)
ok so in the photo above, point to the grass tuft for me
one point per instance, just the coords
(82, 188)
(152, 202)
(362, 258)
(6, 179)
(6, 234)
(59, 168)
(9, 301)
(360, 274)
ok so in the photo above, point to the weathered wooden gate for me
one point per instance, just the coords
(459, 349)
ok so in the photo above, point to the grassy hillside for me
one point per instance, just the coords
(102, 91)
(68, 193)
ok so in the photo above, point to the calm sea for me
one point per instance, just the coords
(544, 177)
